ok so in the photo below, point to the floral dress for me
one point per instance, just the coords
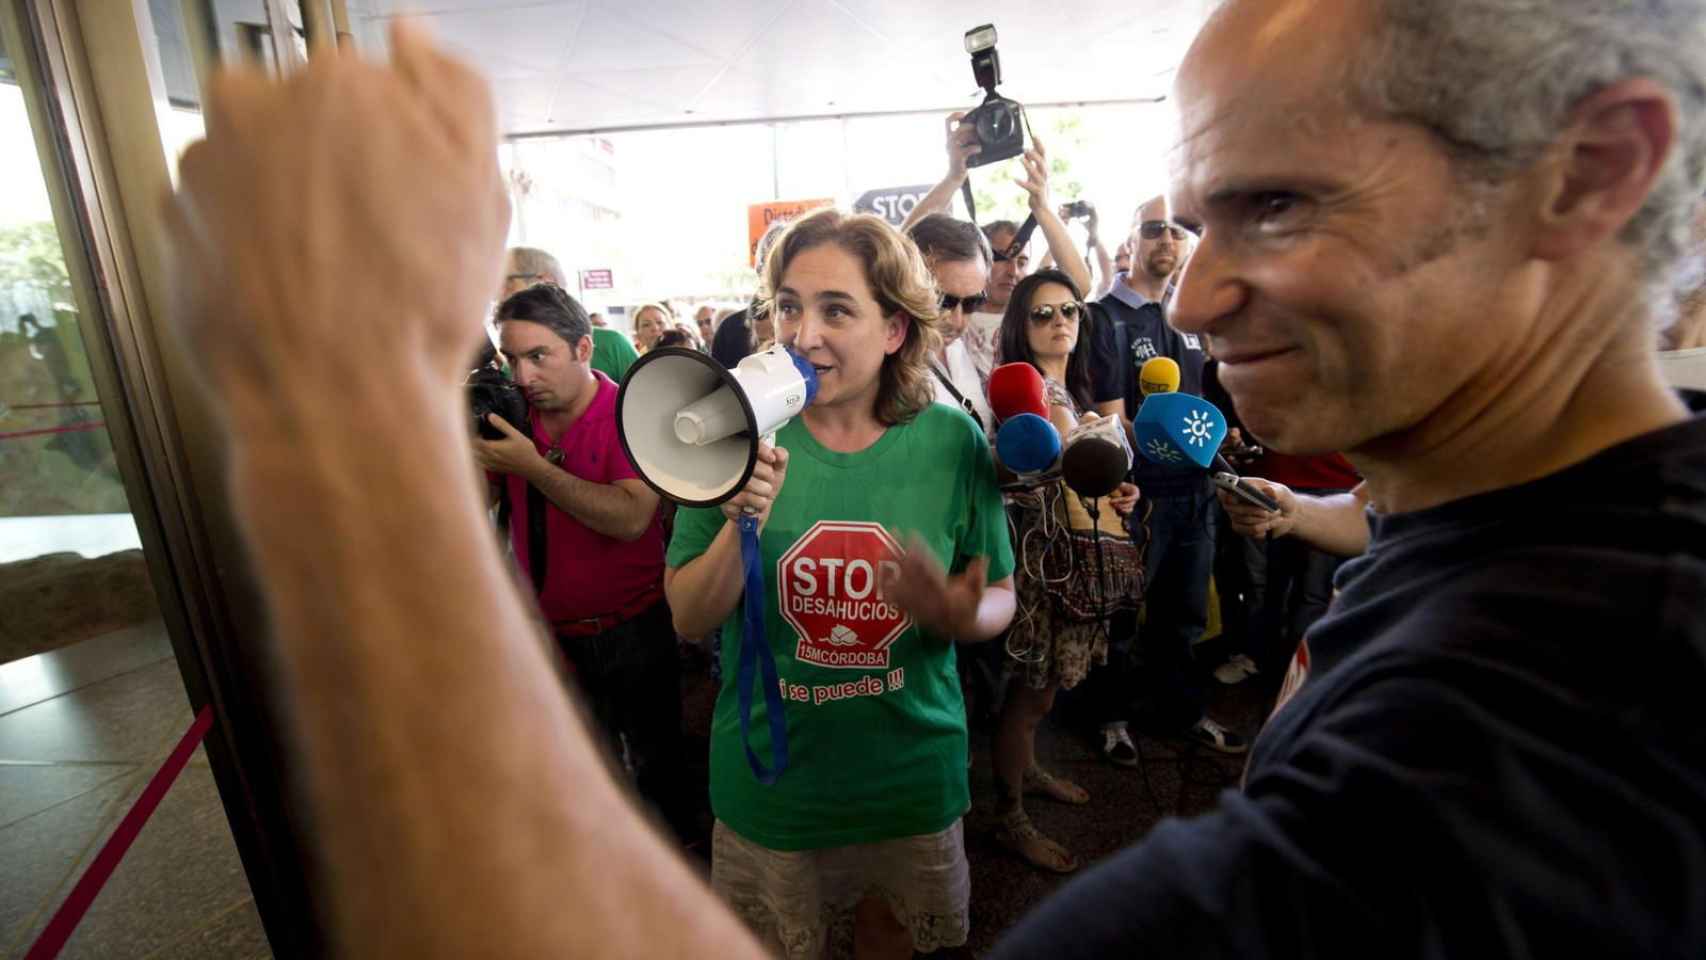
(1043, 646)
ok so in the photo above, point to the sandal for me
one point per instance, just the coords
(1018, 835)
(1041, 783)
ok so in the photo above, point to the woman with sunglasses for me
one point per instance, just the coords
(860, 837)
(1043, 326)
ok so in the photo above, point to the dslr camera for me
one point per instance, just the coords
(490, 391)
(999, 122)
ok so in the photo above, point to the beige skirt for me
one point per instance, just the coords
(800, 903)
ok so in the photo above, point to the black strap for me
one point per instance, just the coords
(965, 404)
(536, 537)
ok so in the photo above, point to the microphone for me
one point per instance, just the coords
(1158, 375)
(1097, 458)
(1016, 388)
(1179, 430)
(1027, 444)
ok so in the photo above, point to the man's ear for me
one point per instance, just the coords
(1603, 167)
(583, 350)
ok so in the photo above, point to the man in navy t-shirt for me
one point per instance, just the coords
(1174, 524)
(1444, 259)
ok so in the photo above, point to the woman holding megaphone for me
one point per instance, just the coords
(860, 835)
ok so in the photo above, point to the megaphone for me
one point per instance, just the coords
(691, 428)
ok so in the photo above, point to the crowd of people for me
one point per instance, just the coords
(1436, 345)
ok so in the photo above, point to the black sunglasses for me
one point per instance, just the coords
(1045, 313)
(972, 304)
(1152, 229)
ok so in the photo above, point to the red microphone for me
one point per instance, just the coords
(1016, 388)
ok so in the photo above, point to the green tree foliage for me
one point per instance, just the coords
(30, 257)
(996, 188)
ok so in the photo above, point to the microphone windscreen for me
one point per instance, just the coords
(1016, 388)
(1176, 429)
(1093, 467)
(1027, 443)
(1158, 375)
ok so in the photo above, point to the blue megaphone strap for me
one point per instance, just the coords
(756, 657)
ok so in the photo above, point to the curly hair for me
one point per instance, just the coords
(899, 280)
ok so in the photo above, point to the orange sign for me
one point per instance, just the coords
(760, 216)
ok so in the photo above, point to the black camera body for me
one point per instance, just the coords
(489, 391)
(998, 121)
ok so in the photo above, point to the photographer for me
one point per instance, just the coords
(601, 589)
(1012, 261)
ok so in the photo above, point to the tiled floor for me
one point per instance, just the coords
(81, 730)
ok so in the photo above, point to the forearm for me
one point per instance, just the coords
(936, 201)
(1334, 524)
(704, 592)
(1105, 264)
(436, 739)
(994, 612)
(1065, 251)
(603, 508)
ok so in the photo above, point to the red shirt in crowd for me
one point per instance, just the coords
(588, 574)
(1326, 472)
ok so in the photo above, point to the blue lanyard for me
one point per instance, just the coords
(755, 651)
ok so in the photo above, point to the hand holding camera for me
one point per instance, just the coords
(962, 145)
(513, 454)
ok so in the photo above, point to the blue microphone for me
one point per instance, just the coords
(1176, 429)
(1027, 444)
(1181, 430)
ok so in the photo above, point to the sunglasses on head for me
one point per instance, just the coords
(1045, 313)
(972, 304)
(1152, 230)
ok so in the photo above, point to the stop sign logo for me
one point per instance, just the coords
(831, 594)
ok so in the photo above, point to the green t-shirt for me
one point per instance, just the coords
(612, 354)
(876, 725)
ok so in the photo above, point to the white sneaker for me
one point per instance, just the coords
(1117, 746)
(1231, 672)
(1216, 737)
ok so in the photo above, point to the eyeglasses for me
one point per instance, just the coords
(523, 276)
(972, 304)
(1152, 229)
(1045, 313)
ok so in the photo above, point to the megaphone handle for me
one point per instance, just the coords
(755, 653)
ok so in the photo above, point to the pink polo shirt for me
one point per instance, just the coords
(588, 574)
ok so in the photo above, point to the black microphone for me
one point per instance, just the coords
(1094, 467)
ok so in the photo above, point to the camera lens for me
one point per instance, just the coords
(996, 124)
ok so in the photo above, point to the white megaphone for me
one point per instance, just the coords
(691, 428)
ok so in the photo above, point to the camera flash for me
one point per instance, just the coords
(979, 39)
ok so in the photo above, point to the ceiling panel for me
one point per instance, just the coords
(599, 64)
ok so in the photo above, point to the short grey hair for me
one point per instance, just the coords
(534, 262)
(1497, 80)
